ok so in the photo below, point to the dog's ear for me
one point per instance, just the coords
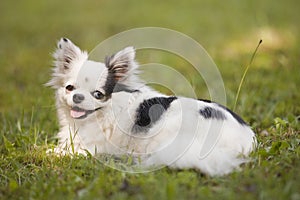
(121, 64)
(67, 54)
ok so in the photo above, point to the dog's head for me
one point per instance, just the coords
(85, 86)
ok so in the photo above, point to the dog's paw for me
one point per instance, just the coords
(64, 152)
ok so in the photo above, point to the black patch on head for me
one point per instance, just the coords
(111, 81)
(211, 113)
(149, 112)
(65, 39)
(109, 84)
(236, 116)
(112, 86)
(116, 71)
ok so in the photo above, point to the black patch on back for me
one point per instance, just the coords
(236, 116)
(211, 113)
(149, 112)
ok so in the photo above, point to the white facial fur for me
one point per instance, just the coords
(92, 78)
(79, 82)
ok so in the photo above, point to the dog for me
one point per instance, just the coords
(104, 108)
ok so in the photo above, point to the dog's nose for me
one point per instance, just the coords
(78, 98)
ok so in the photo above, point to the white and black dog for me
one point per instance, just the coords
(104, 108)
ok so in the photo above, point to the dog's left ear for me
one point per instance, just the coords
(121, 64)
(122, 71)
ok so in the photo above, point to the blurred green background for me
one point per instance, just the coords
(228, 30)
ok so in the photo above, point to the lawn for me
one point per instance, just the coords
(229, 31)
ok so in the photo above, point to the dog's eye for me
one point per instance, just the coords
(97, 94)
(70, 88)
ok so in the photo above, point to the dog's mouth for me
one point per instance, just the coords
(79, 113)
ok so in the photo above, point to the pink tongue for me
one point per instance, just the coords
(77, 114)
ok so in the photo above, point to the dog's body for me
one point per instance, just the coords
(105, 108)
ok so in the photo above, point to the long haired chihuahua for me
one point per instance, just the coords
(104, 108)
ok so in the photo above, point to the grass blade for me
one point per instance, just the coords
(244, 75)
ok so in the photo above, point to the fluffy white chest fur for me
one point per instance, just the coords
(105, 108)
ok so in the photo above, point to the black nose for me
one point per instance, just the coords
(78, 98)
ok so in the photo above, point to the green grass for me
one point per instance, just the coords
(269, 97)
